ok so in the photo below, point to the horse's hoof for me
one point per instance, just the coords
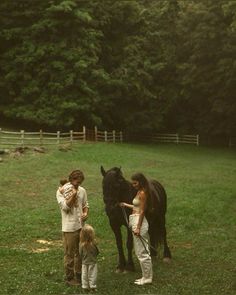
(167, 260)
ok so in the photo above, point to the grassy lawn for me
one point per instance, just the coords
(201, 188)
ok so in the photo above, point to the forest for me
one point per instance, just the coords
(137, 65)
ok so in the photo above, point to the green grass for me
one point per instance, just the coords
(201, 187)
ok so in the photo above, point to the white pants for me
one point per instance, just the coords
(89, 276)
(141, 248)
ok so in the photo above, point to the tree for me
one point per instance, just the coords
(140, 66)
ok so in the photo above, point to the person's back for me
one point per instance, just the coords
(88, 252)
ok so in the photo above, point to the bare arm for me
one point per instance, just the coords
(85, 206)
(122, 204)
(85, 213)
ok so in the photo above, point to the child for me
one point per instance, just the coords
(66, 188)
(88, 252)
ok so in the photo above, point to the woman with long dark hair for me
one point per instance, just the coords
(142, 204)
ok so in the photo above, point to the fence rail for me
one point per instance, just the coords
(175, 138)
(42, 138)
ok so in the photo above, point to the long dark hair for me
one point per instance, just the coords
(145, 185)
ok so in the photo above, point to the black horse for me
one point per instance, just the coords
(117, 189)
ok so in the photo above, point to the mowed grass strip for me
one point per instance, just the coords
(201, 188)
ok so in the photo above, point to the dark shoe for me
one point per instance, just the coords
(73, 282)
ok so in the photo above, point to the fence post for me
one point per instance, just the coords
(177, 138)
(22, 137)
(105, 134)
(58, 138)
(114, 136)
(84, 133)
(197, 139)
(71, 137)
(96, 133)
(121, 136)
(41, 137)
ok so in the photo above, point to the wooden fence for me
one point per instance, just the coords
(107, 136)
(42, 138)
(176, 138)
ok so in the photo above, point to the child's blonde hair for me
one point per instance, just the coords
(87, 236)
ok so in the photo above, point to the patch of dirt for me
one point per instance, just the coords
(55, 243)
(40, 250)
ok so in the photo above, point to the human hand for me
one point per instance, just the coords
(137, 231)
(73, 192)
(61, 190)
(72, 197)
(122, 204)
(84, 216)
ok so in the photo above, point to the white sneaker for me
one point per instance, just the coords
(143, 281)
(139, 279)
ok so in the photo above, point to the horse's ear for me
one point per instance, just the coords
(103, 171)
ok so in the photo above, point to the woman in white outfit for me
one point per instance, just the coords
(138, 223)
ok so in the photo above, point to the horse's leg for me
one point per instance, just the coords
(118, 236)
(167, 253)
(153, 239)
(129, 245)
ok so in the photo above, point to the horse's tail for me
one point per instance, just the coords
(157, 218)
(159, 196)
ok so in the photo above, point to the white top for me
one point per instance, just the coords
(71, 217)
(136, 203)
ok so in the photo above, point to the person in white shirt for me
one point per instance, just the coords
(73, 202)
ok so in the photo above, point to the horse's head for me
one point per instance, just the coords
(113, 186)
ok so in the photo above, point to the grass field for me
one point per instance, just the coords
(201, 187)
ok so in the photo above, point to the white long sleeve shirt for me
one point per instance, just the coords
(71, 217)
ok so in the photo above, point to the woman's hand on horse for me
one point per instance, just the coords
(122, 204)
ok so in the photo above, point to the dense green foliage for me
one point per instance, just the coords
(201, 188)
(131, 65)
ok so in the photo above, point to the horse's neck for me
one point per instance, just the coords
(127, 193)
